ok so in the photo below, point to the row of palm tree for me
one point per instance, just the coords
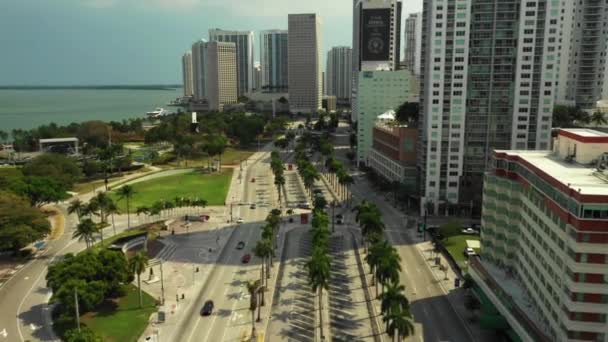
(319, 264)
(339, 178)
(278, 170)
(158, 208)
(307, 171)
(385, 267)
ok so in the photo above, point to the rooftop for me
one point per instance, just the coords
(58, 140)
(583, 178)
(585, 132)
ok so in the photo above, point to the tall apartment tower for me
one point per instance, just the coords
(214, 73)
(245, 55)
(583, 52)
(376, 40)
(413, 41)
(274, 61)
(488, 82)
(187, 75)
(338, 73)
(257, 77)
(304, 55)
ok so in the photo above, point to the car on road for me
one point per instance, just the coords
(469, 252)
(207, 308)
(240, 245)
(240, 220)
(470, 231)
(340, 217)
(253, 180)
(339, 221)
(304, 205)
(253, 206)
(246, 258)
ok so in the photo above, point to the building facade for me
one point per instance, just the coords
(376, 40)
(338, 76)
(257, 78)
(245, 55)
(187, 74)
(214, 73)
(393, 153)
(413, 42)
(274, 61)
(304, 55)
(544, 239)
(582, 73)
(379, 92)
(487, 82)
(199, 84)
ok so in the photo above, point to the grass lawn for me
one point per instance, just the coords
(456, 245)
(231, 156)
(122, 319)
(211, 187)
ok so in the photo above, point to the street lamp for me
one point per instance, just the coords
(333, 216)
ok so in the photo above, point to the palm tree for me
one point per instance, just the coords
(127, 192)
(138, 264)
(263, 249)
(318, 277)
(399, 324)
(279, 181)
(111, 210)
(76, 207)
(598, 118)
(85, 230)
(252, 288)
(389, 266)
(393, 298)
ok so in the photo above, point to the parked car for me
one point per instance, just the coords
(240, 245)
(340, 216)
(240, 220)
(470, 231)
(304, 205)
(246, 258)
(469, 252)
(253, 206)
(253, 180)
(207, 308)
(339, 221)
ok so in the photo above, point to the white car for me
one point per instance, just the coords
(240, 220)
(469, 231)
(469, 251)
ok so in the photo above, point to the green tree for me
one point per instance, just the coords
(3, 136)
(387, 270)
(569, 116)
(399, 324)
(598, 118)
(85, 231)
(20, 223)
(393, 299)
(137, 265)
(252, 289)
(64, 170)
(127, 193)
(43, 190)
(408, 113)
(279, 182)
(83, 335)
(76, 207)
(318, 277)
(216, 146)
(112, 209)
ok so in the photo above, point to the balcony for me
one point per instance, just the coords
(509, 303)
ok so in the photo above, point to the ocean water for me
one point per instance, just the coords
(27, 109)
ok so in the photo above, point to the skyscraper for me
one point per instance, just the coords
(304, 54)
(338, 73)
(214, 73)
(274, 61)
(257, 77)
(583, 48)
(245, 55)
(187, 75)
(413, 41)
(376, 39)
(488, 82)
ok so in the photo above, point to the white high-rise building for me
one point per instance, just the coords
(257, 77)
(583, 50)
(488, 82)
(214, 73)
(245, 55)
(413, 42)
(376, 40)
(187, 75)
(304, 55)
(274, 61)
(338, 73)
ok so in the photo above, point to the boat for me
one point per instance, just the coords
(158, 112)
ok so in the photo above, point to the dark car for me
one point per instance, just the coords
(240, 245)
(340, 217)
(246, 258)
(207, 308)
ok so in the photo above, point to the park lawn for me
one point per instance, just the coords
(122, 319)
(456, 245)
(231, 156)
(212, 187)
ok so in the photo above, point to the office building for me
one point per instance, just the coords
(393, 153)
(338, 73)
(214, 73)
(544, 239)
(187, 74)
(583, 48)
(487, 82)
(379, 92)
(245, 55)
(413, 42)
(274, 61)
(304, 55)
(257, 77)
(376, 39)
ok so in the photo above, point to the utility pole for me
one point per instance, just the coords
(162, 285)
(76, 306)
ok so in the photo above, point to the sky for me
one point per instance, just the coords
(93, 42)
